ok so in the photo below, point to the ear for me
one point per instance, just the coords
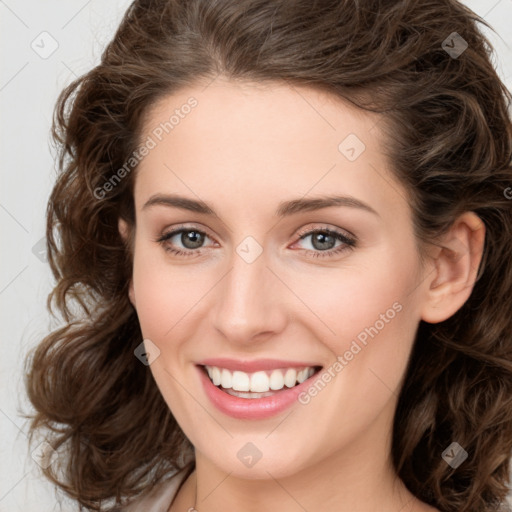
(456, 262)
(124, 231)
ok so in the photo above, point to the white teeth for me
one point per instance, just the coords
(248, 394)
(240, 381)
(258, 382)
(290, 377)
(226, 379)
(302, 376)
(276, 380)
(215, 375)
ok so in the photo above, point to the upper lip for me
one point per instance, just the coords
(254, 365)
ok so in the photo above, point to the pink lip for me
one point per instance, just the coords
(254, 366)
(252, 408)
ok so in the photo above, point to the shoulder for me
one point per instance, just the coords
(161, 496)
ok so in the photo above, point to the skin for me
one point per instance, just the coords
(243, 150)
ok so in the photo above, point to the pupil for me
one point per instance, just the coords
(191, 239)
(323, 241)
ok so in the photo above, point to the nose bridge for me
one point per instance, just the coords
(248, 300)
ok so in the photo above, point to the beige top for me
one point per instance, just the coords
(161, 497)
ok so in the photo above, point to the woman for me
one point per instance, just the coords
(288, 229)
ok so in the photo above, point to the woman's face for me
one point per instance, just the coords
(244, 286)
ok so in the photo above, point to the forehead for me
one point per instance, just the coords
(262, 139)
(261, 112)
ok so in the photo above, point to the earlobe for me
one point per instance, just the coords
(124, 231)
(131, 293)
(456, 265)
(122, 227)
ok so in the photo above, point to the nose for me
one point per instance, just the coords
(248, 305)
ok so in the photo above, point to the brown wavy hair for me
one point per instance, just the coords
(449, 137)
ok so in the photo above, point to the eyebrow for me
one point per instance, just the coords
(285, 208)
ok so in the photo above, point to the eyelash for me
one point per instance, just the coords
(349, 243)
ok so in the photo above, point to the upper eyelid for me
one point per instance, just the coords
(339, 231)
(176, 230)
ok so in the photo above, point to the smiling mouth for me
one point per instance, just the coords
(258, 384)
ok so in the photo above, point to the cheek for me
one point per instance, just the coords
(163, 294)
(368, 321)
(368, 303)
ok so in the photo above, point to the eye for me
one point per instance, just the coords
(191, 239)
(323, 242)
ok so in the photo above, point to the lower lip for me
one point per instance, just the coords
(252, 408)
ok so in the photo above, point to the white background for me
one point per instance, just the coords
(29, 85)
